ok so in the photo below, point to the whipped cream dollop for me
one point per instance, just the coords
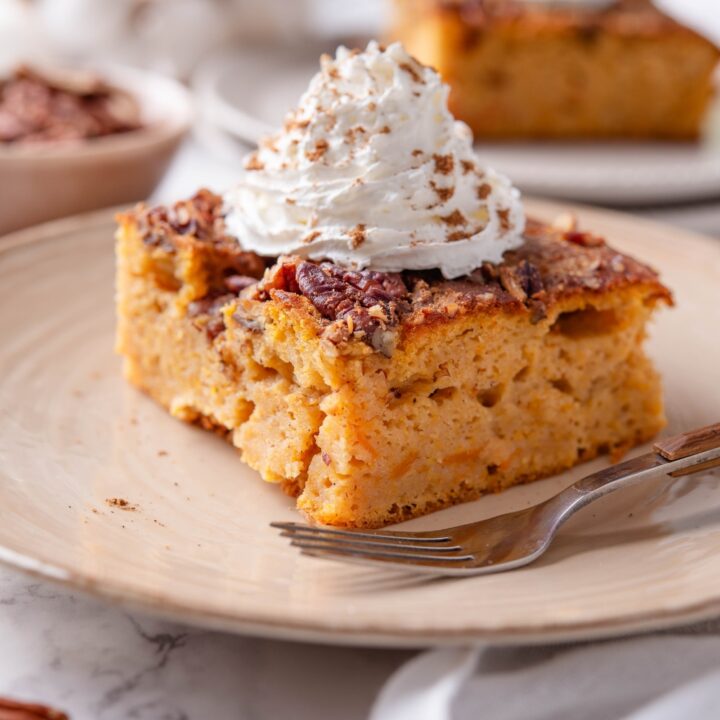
(372, 171)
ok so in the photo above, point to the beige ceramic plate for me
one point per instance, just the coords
(198, 547)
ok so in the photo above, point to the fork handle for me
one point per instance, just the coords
(689, 443)
(683, 454)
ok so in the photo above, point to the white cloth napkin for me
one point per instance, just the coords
(669, 676)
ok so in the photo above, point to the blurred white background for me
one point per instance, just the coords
(173, 35)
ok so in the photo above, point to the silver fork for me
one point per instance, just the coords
(506, 541)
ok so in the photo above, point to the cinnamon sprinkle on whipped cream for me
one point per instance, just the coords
(372, 145)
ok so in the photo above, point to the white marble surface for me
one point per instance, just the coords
(99, 662)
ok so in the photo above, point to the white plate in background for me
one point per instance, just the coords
(246, 93)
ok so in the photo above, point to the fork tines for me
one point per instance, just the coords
(411, 548)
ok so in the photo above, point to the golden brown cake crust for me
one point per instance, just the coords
(189, 222)
(554, 264)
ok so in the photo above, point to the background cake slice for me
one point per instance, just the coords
(543, 70)
(376, 397)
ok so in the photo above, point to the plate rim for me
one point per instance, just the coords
(294, 631)
(306, 630)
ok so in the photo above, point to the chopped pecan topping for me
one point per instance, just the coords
(52, 106)
(585, 239)
(522, 281)
(181, 220)
(365, 300)
(378, 286)
(281, 276)
(566, 222)
(198, 219)
(530, 279)
(511, 283)
(197, 216)
(490, 271)
(330, 295)
(551, 263)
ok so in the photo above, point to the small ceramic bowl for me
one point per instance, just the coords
(39, 183)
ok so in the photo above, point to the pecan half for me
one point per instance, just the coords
(366, 300)
(376, 286)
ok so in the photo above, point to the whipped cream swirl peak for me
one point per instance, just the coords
(372, 171)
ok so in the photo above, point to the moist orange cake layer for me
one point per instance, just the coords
(376, 397)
